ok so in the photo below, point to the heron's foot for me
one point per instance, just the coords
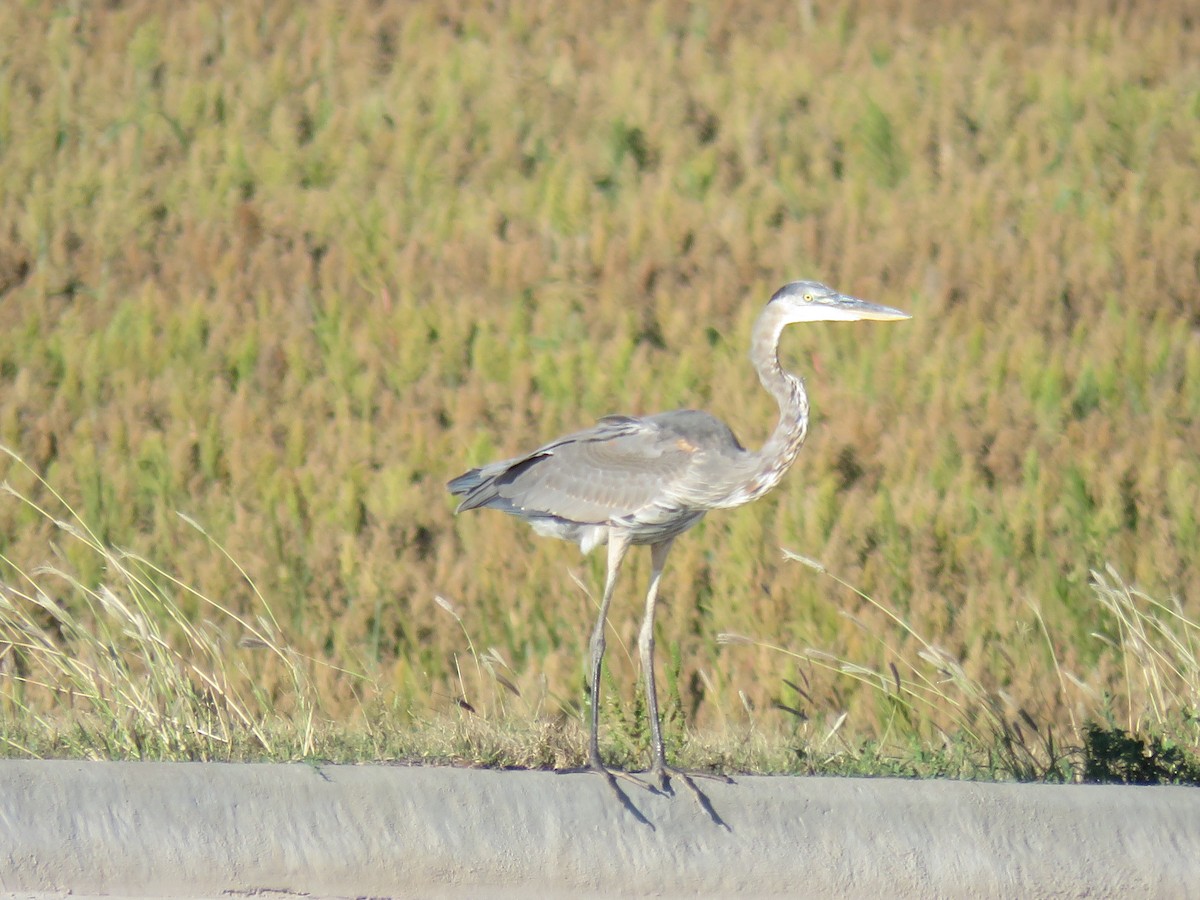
(663, 774)
(611, 775)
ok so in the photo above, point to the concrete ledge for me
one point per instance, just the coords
(198, 829)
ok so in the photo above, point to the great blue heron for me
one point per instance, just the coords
(646, 480)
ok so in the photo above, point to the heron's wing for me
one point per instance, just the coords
(616, 469)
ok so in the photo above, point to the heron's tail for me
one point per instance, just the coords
(480, 487)
(464, 486)
(465, 483)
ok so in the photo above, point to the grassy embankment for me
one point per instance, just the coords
(287, 269)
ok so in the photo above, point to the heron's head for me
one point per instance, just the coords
(811, 301)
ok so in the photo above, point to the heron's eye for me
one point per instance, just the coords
(808, 298)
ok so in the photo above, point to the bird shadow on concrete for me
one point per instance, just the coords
(665, 790)
(701, 797)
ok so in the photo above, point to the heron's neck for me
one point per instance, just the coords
(779, 452)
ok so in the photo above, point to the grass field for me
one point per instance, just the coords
(287, 268)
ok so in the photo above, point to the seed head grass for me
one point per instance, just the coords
(285, 269)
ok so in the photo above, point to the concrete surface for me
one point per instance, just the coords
(199, 829)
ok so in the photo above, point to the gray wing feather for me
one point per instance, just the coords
(617, 469)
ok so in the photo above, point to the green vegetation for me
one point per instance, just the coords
(271, 274)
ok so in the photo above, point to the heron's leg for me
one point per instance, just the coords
(618, 544)
(658, 559)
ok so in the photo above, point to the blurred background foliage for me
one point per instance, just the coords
(288, 267)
